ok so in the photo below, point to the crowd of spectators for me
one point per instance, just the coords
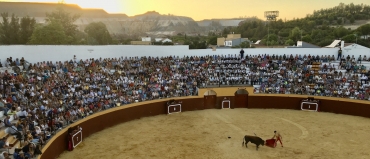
(46, 96)
(295, 75)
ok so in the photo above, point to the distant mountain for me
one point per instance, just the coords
(39, 9)
(149, 23)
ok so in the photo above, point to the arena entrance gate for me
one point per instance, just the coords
(210, 99)
(241, 98)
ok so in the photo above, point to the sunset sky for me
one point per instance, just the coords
(208, 9)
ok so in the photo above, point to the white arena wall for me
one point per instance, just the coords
(37, 53)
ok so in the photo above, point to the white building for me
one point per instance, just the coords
(146, 39)
(163, 40)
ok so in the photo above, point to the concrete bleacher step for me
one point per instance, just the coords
(3, 134)
(18, 145)
(12, 141)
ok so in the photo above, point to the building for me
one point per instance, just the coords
(163, 40)
(231, 40)
(235, 42)
(144, 41)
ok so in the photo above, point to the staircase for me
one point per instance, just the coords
(316, 67)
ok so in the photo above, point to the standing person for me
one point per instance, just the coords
(70, 134)
(339, 53)
(241, 54)
(278, 137)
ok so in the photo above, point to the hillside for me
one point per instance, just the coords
(355, 25)
(150, 23)
(22, 9)
(350, 23)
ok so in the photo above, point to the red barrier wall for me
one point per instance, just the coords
(114, 116)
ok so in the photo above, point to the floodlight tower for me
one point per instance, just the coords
(270, 16)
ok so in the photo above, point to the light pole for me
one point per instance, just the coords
(270, 16)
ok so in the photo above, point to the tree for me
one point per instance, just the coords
(325, 42)
(244, 44)
(289, 42)
(339, 21)
(27, 26)
(99, 32)
(66, 20)
(51, 34)
(364, 30)
(157, 43)
(340, 32)
(14, 30)
(212, 40)
(307, 38)
(352, 20)
(351, 38)
(167, 43)
(5, 27)
(295, 34)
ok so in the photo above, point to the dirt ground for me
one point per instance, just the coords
(204, 135)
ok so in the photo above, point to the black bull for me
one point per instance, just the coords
(253, 139)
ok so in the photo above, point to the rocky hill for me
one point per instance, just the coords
(150, 23)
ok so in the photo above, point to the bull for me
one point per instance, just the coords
(253, 139)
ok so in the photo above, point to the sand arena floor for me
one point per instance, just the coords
(204, 135)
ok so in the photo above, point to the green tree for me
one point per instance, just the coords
(244, 44)
(212, 40)
(352, 20)
(5, 35)
(325, 42)
(157, 43)
(351, 38)
(27, 26)
(99, 32)
(295, 34)
(340, 32)
(289, 42)
(364, 30)
(307, 38)
(284, 32)
(339, 21)
(14, 29)
(51, 34)
(167, 43)
(66, 20)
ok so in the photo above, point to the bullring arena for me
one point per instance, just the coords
(204, 133)
(213, 119)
